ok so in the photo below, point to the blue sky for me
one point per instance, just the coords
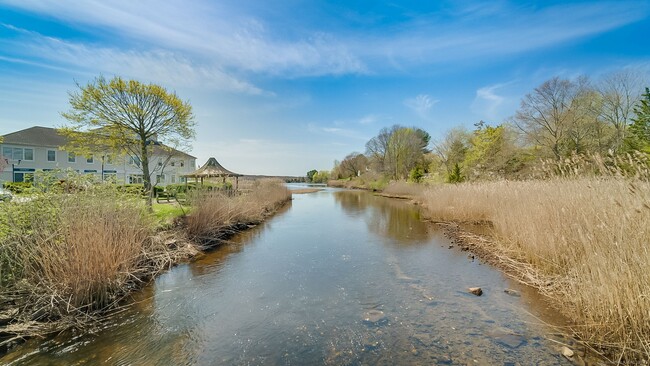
(281, 87)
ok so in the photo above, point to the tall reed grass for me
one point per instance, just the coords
(215, 213)
(587, 240)
(62, 255)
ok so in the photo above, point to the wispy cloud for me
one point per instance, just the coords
(369, 119)
(421, 104)
(226, 39)
(489, 103)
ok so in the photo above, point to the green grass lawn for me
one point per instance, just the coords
(167, 212)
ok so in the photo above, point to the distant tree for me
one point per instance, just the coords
(456, 175)
(321, 177)
(639, 130)
(310, 175)
(619, 92)
(451, 150)
(395, 151)
(491, 152)
(354, 164)
(128, 117)
(549, 115)
(416, 174)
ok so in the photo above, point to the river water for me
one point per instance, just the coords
(335, 278)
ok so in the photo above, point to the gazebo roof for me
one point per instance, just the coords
(212, 169)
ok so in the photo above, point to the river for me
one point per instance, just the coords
(338, 278)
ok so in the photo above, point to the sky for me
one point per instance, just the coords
(283, 87)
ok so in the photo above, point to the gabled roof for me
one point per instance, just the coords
(37, 135)
(212, 168)
(49, 137)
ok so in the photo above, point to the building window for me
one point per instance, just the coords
(160, 163)
(182, 180)
(134, 160)
(108, 158)
(72, 158)
(173, 179)
(18, 153)
(23, 177)
(160, 179)
(51, 155)
(28, 154)
(135, 179)
(173, 163)
(182, 163)
(90, 159)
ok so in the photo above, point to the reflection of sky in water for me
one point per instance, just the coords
(295, 290)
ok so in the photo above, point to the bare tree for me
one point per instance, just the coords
(353, 164)
(619, 92)
(548, 116)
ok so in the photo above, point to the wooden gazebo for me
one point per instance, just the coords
(212, 169)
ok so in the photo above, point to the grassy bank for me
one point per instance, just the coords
(66, 258)
(582, 241)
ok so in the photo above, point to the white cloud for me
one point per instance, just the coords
(369, 119)
(488, 103)
(421, 104)
(156, 65)
(225, 37)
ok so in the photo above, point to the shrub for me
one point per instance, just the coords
(18, 187)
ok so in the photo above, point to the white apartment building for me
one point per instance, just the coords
(26, 152)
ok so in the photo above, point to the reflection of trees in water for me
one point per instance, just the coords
(387, 217)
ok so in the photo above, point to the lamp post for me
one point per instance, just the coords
(13, 168)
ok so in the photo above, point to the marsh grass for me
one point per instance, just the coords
(215, 214)
(64, 256)
(581, 236)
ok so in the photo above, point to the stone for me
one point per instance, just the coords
(475, 291)
(509, 340)
(512, 292)
(374, 316)
(567, 352)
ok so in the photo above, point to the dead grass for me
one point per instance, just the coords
(67, 257)
(587, 240)
(215, 214)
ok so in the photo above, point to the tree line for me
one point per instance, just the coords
(560, 118)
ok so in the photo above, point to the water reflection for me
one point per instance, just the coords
(385, 217)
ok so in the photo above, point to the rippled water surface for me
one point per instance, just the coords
(338, 277)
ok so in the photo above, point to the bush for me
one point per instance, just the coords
(18, 187)
(131, 189)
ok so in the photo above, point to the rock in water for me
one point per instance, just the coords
(476, 291)
(511, 292)
(567, 352)
(374, 316)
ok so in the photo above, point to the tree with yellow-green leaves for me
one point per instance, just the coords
(127, 117)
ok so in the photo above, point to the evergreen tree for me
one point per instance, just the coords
(638, 138)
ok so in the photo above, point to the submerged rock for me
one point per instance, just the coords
(509, 340)
(374, 316)
(476, 291)
(512, 292)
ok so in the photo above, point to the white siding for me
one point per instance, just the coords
(120, 166)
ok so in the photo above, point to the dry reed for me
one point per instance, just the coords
(216, 214)
(587, 239)
(66, 256)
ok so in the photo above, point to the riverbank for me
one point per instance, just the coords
(67, 260)
(581, 242)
